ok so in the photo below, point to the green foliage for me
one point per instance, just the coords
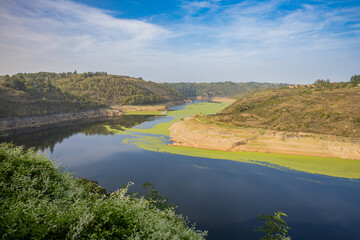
(41, 201)
(275, 228)
(355, 79)
(322, 83)
(242, 108)
(155, 199)
(117, 90)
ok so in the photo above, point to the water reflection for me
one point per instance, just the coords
(47, 137)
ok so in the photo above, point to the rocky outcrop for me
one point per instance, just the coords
(32, 121)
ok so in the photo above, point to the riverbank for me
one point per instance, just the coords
(13, 123)
(37, 121)
(197, 133)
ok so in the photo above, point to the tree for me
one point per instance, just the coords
(155, 199)
(355, 79)
(275, 227)
(17, 83)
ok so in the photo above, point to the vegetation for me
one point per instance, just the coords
(275, 227)
(115, 90)
(322, 84)
(220, 89)
(327, 111)
(40, 201)
(26, 94)
(355, 80)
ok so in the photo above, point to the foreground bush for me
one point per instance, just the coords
(39, 200)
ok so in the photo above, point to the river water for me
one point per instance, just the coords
(223, 197)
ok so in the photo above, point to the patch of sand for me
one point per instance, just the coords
(191, 132)
(135, 108)
(223, 99)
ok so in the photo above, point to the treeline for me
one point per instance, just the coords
(353, 82)
(220, 89)
(24, 81)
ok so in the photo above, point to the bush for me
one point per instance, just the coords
(275, 228)
(39, 200)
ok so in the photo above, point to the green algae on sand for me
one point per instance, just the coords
(156, 139)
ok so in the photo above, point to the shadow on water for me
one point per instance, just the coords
(48, 136)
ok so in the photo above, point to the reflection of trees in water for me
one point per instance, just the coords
(47, 136)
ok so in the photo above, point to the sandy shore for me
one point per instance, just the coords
(135, 108)
(191, 132)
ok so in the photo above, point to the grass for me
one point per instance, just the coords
(41, 201)
(155, 139)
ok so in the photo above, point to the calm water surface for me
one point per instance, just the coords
(221, 196)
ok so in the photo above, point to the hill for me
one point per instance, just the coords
(29, 94)
(115, 90)
(327, 111)
(219, 89)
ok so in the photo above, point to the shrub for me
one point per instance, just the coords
(39, 200)
(275, 228)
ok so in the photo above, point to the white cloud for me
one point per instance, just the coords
(62, 30)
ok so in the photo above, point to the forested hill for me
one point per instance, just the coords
(220, 89)
(334, 111)
(26, 94)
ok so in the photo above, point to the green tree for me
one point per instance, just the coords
(275, 227)
(355, 79)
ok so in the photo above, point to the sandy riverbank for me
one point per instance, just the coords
(192, 132)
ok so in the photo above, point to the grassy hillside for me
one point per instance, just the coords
(327, 111)
(40, 201)
(27, 94)
(219, 89)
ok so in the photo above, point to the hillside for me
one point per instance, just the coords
(32, 102)
(334, 112)
(115, 90)
(219, 89)
(28, 94)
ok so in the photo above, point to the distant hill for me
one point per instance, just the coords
(26, 94)
(316, 110)
(220, 89)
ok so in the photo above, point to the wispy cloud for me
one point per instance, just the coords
(212, 41)
(41, 29)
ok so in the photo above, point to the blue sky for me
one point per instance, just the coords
(179, 40)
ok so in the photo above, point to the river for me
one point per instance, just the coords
(223, 197)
